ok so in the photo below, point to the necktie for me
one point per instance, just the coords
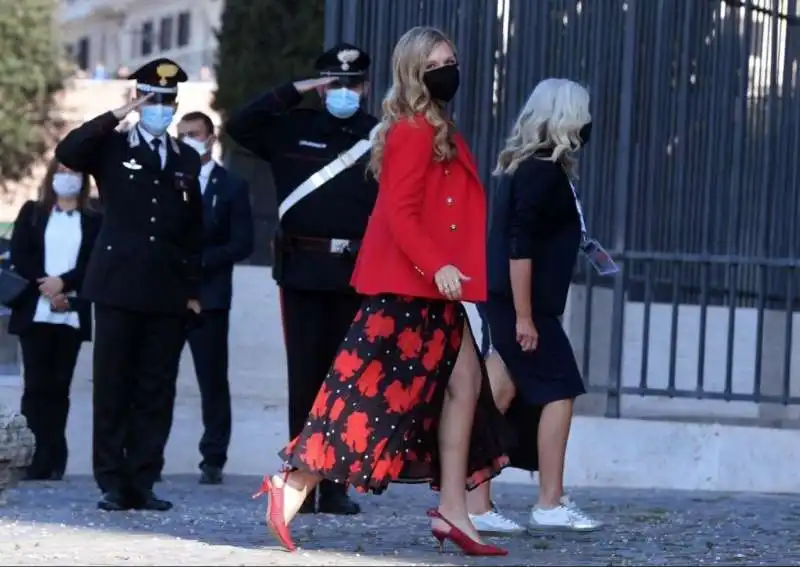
(156, 145)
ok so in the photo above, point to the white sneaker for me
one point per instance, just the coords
(493, 523)
(566, 517)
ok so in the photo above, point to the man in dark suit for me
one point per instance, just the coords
(228, 240)
(143, 278)
(320, 232)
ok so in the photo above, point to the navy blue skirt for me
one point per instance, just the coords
(546, 375)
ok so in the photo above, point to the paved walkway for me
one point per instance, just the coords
(56, 524)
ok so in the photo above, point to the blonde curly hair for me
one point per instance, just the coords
(550, 120)
(408, 95)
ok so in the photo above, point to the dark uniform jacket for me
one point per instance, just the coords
(148, 253)
(27, 256)
(228, 235)
(298, 143)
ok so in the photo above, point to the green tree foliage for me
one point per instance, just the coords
(263, 43)
(30, 74)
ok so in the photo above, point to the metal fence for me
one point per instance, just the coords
(690, 176)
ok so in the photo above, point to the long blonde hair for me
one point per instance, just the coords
(408, 95)
(550, 120)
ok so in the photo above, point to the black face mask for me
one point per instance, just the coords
(442, 82)
(585, 133)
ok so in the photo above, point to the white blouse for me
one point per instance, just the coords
(62, 242)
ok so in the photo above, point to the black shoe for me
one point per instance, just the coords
(309, 505)
(114, 501)
(210, 474)
(149, 501)
(34, 474)
(334, 500)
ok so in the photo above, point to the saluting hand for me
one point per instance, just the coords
(448, 279)
(123, 111)
(311, 84)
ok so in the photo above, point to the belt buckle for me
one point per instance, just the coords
(339, 245)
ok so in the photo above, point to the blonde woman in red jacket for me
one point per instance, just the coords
(407, 397)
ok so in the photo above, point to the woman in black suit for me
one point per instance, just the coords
(50, 247)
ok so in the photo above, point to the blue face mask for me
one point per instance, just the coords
(156, 118)
(342, 103)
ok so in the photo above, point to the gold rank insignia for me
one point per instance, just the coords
(166, 71)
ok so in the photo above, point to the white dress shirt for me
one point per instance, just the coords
(162, 148)
(205, 175)
(62, 242)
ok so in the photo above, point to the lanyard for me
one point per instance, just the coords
(579, 208)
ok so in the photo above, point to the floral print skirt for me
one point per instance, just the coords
(375, 419)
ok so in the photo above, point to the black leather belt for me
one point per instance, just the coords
(329, 245)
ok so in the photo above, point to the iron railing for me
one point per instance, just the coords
(690, 177)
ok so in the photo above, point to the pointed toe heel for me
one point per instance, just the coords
(274, 513)
(467, 545)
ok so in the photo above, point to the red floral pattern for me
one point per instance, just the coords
(375, 419)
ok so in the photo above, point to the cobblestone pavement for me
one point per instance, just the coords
(57, 524)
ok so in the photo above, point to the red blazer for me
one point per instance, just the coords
(427, 215)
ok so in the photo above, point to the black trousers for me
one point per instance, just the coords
(314, 325)
(209, 346)
(136, 357)
(49, 354)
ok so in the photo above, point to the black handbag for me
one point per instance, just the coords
(11, 286)
(11, 283)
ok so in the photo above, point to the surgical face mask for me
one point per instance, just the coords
(342, 103)
(156, 118)
(200, 146)
(67, 184)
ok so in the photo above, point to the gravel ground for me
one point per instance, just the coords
(57, 524)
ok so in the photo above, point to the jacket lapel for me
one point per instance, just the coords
(40, 223)
(212, 187)
(141, 151)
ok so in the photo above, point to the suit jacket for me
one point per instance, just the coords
(148, 254)
(27, 256)
(428, 214)
(228, 235)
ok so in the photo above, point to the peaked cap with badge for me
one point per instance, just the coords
(346, 62)
(160, 77)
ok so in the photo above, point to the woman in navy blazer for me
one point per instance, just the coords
(50, 247)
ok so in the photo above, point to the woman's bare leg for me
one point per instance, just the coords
(553, 510)
(554, 428)
(455, 429)
(479, 501)
(296, 485)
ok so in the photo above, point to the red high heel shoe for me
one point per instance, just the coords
(274, 514)
(468, 545)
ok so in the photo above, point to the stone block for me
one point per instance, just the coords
(17, 444)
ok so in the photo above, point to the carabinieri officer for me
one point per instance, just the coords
(143, 278)
(322, 218)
